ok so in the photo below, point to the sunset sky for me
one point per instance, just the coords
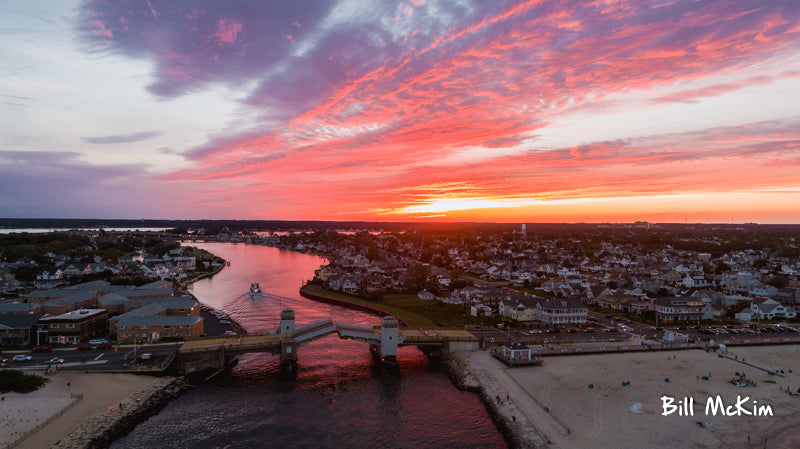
(506, 111)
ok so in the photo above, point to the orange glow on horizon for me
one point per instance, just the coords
(716, 208)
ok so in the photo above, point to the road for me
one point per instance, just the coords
(113, 359)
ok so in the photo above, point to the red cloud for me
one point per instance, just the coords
(365, 128)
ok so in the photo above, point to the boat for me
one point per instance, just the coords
(255, 288)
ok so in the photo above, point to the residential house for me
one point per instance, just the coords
(593, 294)
(561, 311)
(714, 311)
(769, 309)
(425, 295)
(678, 309)
(788, 295)
(49, 278)
(325, 272)
(74, 269)
(480, 310)
(519, 307)
(18, 329)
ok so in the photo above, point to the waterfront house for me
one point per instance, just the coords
(561, 311)
(519, 307)
(678, 309)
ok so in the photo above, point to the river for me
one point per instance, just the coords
(340, 399)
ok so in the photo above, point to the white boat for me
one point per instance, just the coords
(255, 288)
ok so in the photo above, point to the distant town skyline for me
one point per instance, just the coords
(417, 110)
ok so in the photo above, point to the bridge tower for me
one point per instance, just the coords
(389, 334)
(288, 344)
(287, 322)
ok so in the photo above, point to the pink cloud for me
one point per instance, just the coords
(364, 117)
(227, 31)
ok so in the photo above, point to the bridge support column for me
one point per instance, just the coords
(389, 335)
(289, 357)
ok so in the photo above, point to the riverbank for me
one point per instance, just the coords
(615, 400)
(93, 404)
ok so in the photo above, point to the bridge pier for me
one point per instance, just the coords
(289, 356)
(288, 344)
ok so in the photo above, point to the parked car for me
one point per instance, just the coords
(97, 341)
(104, 346)
(84, 347)
(22, 358)
(42, 349)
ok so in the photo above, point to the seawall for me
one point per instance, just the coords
(102, 429)
(340, 302)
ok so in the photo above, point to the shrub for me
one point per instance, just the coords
(19, 382)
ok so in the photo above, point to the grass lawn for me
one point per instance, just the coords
(416, 312)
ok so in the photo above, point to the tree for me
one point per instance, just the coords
(417, 276)
(721, 268)
(778, 281)
(737, 308)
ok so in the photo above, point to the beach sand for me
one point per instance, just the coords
(601, 417)
(22, 412)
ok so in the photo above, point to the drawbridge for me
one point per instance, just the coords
(383, 340)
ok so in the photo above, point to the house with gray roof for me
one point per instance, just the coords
(18, 329)
(15, 307)
(519, 307)
(769, 309)
(113, 303)
(73, 301)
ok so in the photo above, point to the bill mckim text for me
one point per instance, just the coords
(715, 405)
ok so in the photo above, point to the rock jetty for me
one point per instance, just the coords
(512, 422)
(101, 430)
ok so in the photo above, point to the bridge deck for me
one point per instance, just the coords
(318, 329)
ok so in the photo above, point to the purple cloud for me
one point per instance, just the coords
(122, 138)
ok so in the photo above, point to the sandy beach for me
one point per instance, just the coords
(22, 412)
(553, 405)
